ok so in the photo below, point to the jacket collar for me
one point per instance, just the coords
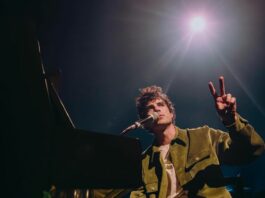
(179, 139)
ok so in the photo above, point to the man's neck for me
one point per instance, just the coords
(166, 135)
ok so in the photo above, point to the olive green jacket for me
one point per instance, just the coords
(196, 155)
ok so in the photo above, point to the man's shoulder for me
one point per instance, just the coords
(200, 129)
(198, 133)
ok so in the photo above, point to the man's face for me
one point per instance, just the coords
(159, 106)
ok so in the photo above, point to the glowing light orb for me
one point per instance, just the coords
(197, 24)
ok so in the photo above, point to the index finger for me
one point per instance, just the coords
(212, 90)
(222, 85)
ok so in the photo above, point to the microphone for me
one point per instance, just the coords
(149, 119)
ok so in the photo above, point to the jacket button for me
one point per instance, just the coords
(197, 158)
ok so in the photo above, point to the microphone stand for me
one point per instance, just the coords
(140, 123)
(132, 127)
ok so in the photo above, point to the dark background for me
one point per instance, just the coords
(107, 50)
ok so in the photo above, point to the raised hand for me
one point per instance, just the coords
(225, 103)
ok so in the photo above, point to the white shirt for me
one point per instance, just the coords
(171, 175)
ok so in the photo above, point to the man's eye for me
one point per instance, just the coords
(161, 104)
(149, 107)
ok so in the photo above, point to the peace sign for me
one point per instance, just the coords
(225, 103)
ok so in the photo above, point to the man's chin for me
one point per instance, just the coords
(160, 125)
(163, 123)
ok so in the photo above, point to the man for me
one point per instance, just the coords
(186, 162)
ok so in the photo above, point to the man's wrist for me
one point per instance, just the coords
(239, 124)
(229, 120)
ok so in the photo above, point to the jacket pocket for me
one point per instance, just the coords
(198, 162)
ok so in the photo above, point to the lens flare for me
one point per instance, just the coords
(197, 24)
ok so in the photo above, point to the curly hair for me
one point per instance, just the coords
(148, 94)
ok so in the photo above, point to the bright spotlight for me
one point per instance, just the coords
(197, 24)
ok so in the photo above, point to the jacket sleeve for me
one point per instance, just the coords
(241, 145)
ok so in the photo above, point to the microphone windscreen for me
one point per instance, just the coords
(155, 116)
